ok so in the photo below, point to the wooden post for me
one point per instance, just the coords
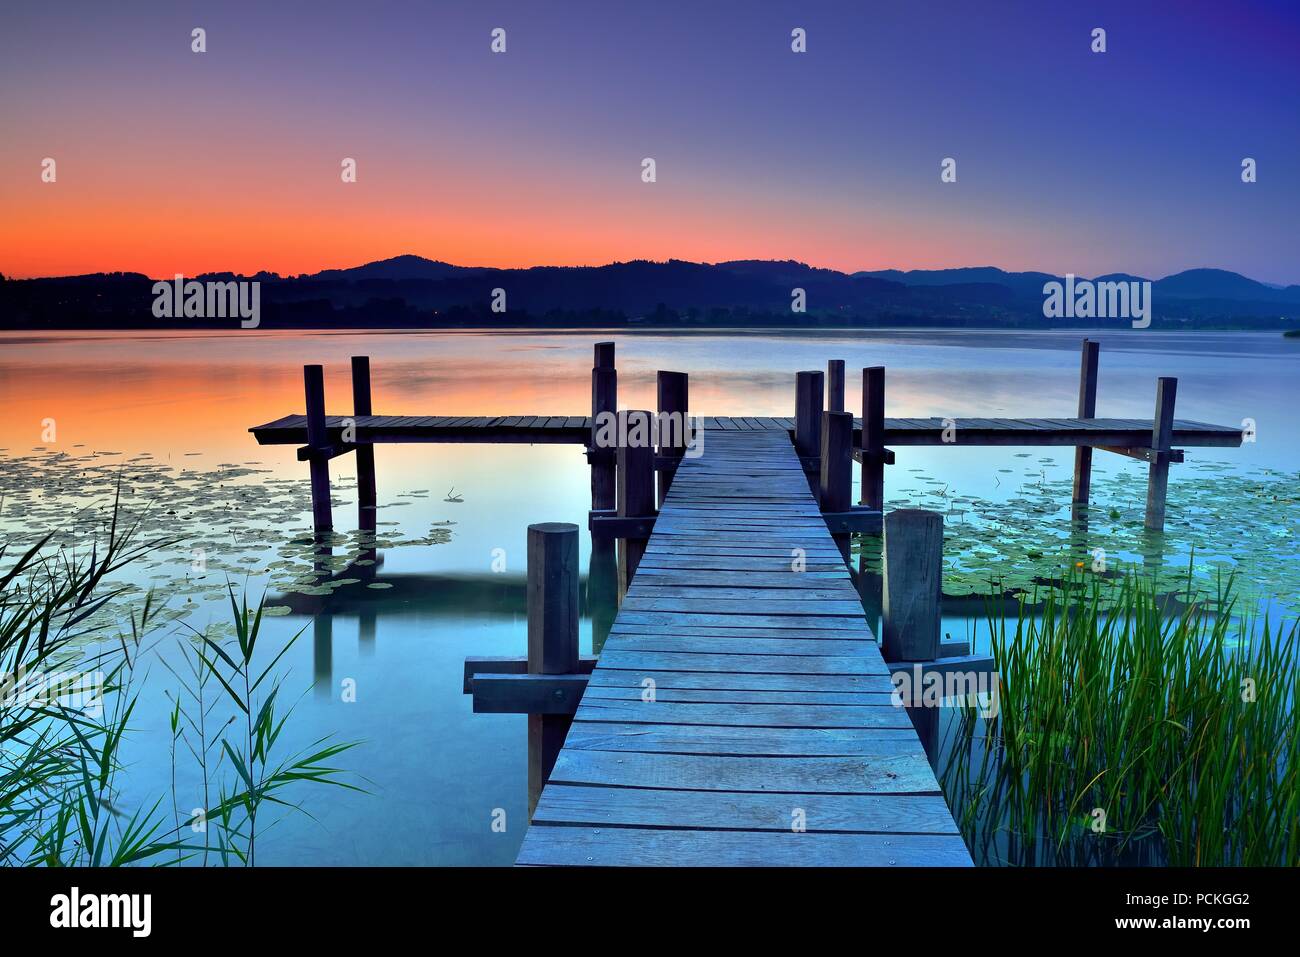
(808, 394)
(602, 589)
(872, 455)
(552, 637)
(835, 493)
(913, 585)
(552, 598)
(1162, 437)
(835, 385)
(636, 486)
(314, 385)
(674, 391)
(1087, 410)
(365, 452)
(873, 437)
(604, 399)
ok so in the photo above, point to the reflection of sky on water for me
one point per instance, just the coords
(437, 771)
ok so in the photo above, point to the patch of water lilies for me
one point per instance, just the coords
(1220, 519)
(230, 523)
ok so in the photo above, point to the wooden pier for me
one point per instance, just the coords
(740, 710)
(1159, 441)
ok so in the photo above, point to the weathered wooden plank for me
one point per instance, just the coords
(736, 681)
(717, 696)
(747, 811)
(721, 740)
(711, 590)
(746, 715)
(738, 646)
(751, 606)
(851, 774)
(809, 622)
(651, 847)
(776, 664)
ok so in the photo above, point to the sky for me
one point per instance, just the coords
(1067, 160)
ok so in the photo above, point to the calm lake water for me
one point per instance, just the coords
(169, 413)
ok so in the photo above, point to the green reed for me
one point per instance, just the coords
(60, 799)
(1132, 728)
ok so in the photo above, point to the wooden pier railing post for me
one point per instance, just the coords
(873, 437)
(674, 399)
(1087, 410)
(1162, 432)
(919, 660)
(552, 598)
(314, 387)
(636, 486)
(808, 395)
(552, 637)
(604, 399)
(913, 582)
(835, 385)
(366, 495)
(835, 491)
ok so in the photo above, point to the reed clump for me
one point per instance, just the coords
(1133, 728)
(61, 741)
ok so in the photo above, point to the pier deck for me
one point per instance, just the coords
(769, 736)
(576, 429)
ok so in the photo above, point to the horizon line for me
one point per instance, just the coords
(620, 262)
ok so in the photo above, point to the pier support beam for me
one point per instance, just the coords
(317, 438)
(604, 399)
(552, 598)
(552, 639)
(913, 584)
(1087, 410)
(809, 390)
(549, 683)
(366, 495)
(834, 493)
(835, 385)
(925, 669)
(873, 454)
(1162, 433)
(674, 423)
(636, 487)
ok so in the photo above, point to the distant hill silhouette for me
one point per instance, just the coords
(399, 267)
(413, 292)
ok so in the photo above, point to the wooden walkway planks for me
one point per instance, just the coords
(771, 705)
(576, 430)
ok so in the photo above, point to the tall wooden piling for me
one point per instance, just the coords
(365, 453)
(636, 486)
(1162, 432)
(913, 584)
(317, 437)
(1087, 410)
(552, 637)
(835, 385)
(674, 422)
(873, 437)
(552, 598)
(604, 401)
(835, 490)
(808, 395)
